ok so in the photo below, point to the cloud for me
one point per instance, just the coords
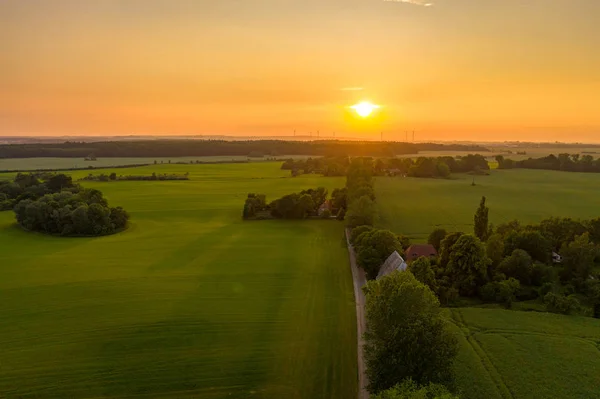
(424, 3)
(351, 89)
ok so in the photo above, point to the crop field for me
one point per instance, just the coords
(69, 163)
(415, 207)
(188, 302)
(526, 355)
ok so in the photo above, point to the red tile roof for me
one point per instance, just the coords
(418, 250)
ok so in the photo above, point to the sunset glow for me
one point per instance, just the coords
(450, 69)
(364, 109)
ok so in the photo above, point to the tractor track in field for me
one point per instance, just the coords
(486, 362)
(359, 280)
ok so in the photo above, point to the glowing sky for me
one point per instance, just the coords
(453, 70)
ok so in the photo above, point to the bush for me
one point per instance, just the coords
(326, 214)
(561, 304)
(408, 389)
(500, 292)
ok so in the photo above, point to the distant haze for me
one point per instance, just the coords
(486, 70)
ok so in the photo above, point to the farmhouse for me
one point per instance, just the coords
(417, 250)
(325, 205)
(392, 263)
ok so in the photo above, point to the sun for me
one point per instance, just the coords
(364, 109)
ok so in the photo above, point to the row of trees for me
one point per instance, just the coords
(517, 262)
(83, 213)
(564, 162)
(114, 177)
(440, 167)
(33, 186)
(360, 193)
(300, 205)
(180, 148)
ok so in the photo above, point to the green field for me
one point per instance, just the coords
(415, 207)
(526, 355)
(188, 302)
(69, 163)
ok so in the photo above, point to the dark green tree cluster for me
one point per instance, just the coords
(373, 247)
(154, 176)
(360, 195)
(300, 205)
(326, 166)
(407, 338)
(563, 162)
(255, 203)
(186, 148)
(33, 186)
(85, 213)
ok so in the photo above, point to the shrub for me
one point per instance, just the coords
(408, 389)
(326, 214)
(561, 304)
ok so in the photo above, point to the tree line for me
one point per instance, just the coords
(302, 205)
(154, 176)
(33, 186)
(67, 213)
(553, 261)
(563, 162)
(181, 148)
(425, 167)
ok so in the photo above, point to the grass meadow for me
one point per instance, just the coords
(188, 302)
(415, 207)
(526, 355)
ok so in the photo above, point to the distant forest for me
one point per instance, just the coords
(563, 162)
(187, 148)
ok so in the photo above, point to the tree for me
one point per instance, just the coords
(408, 389)
(423, 272)
(361, 212)
(406, 335)
(467, 266)
(58, 182)
(374, 247)
(113, 176)
(446, 247)
(481, 220)
(494, 248)
(442, 170)
(518, 265)
(578, 258)
(358, 230)
(500, 291)
(533, 242)
(341, 215)
(436, 237)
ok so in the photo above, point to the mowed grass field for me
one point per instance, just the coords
(415, 207)
(526, 355)
(190, 301)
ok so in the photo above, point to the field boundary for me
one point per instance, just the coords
(359, 280)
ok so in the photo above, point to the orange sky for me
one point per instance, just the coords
(455, 70)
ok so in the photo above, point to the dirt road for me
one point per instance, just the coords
(359, 278)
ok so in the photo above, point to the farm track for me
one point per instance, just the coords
(359, 279)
